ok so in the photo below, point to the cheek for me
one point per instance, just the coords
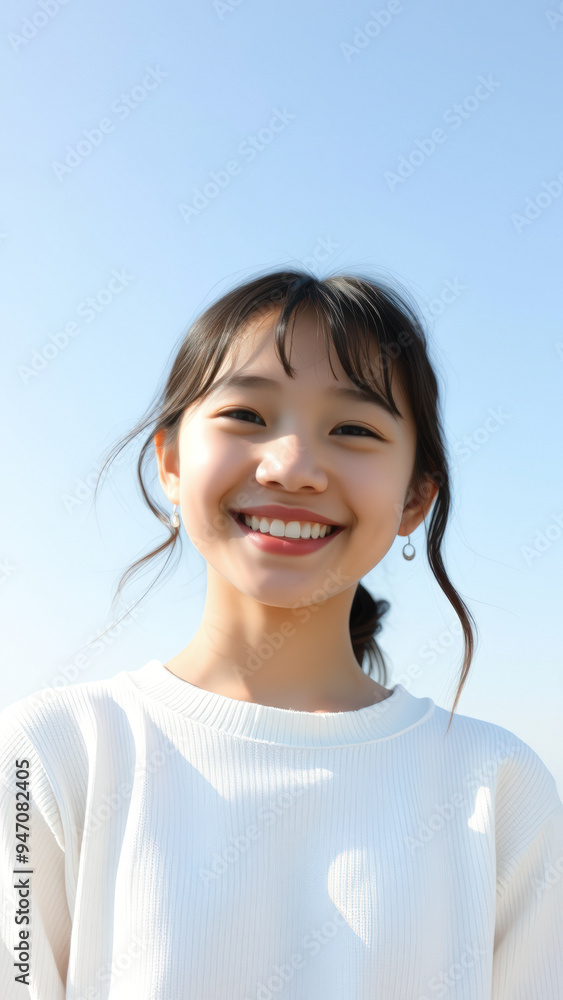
(211, 466)
(379, 491)
(377, 481)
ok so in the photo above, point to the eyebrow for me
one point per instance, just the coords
(355, 393)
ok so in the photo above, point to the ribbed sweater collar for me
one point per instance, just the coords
(281, 726)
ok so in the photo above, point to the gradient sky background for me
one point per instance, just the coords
(359, 100)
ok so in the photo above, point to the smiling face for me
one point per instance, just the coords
(299, 443)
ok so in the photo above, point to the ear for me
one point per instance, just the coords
(168, 467)
(418, 502)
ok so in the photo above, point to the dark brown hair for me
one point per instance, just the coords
(353, 311)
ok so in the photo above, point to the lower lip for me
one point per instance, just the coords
(284, 546)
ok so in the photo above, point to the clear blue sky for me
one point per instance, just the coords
(409, 140)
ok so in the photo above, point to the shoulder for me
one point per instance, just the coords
(523, 789)
(55, 727)
(61, 705)
(467, 731)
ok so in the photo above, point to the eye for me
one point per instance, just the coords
(231, 413)
(355, 427)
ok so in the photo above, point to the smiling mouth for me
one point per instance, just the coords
(331, 529)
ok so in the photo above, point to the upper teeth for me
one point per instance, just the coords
(287, 529)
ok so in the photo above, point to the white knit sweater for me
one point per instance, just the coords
(184, 845)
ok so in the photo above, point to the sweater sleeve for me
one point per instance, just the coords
(528, 941)
(34, 914)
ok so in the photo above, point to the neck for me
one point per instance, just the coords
(300, 658)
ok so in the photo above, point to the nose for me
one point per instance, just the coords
(288, 462)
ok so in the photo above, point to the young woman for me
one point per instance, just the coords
(259, 817)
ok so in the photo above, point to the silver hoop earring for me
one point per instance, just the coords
(406, 546)
(175, 518)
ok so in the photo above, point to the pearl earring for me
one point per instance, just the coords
(175, 518)
(405, 546)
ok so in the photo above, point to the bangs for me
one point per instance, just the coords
(352, 323)
(374, 329)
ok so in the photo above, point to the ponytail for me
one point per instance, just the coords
(365, 622)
